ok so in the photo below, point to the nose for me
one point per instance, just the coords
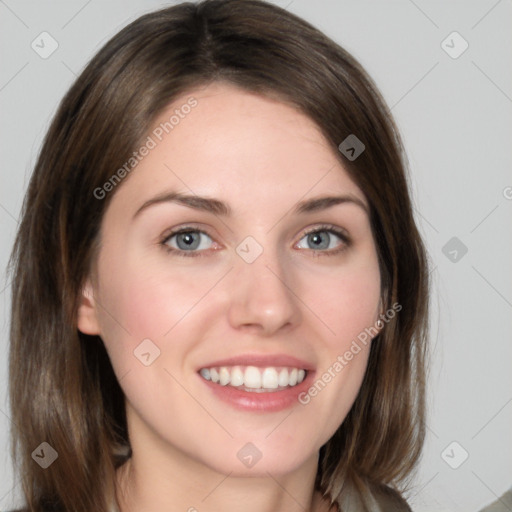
(263, 301)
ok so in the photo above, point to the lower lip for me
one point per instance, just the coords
(269, 401)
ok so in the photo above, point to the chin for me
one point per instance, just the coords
(258, 458)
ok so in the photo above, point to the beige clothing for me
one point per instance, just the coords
(381, 503)
(502, 504)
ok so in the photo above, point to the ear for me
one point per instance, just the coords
(87, 318)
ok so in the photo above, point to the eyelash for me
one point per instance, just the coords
(316, 252)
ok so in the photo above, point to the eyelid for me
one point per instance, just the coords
(339, 231)
(183, 228)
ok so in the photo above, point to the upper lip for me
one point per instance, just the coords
(261, 360)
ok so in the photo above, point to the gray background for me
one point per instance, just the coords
(455, 116)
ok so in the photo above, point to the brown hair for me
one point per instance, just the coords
(63, 390)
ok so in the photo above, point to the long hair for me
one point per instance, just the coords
(62, 387)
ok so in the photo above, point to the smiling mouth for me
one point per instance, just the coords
(255, 379)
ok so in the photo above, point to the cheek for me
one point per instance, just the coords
(138, 294)
(347, 302)
(143, 299)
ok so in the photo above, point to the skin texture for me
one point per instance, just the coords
(261, 157)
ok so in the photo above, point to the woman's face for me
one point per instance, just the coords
(271, 283)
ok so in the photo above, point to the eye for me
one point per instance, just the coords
(187, 240)
(325, 239)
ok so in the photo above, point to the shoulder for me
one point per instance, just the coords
(389, 500)
(502, 504)
(382, 499)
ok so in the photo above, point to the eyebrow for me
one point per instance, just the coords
(220, 208)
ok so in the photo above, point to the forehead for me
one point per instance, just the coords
(241, 147)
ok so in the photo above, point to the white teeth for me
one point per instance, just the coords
(283, 377)
(237, 376)
(214, 375)
(224, 376)
(269, 378)
(253, 378)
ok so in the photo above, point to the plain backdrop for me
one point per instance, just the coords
(453, 106)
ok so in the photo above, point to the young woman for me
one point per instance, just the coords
(219, 291)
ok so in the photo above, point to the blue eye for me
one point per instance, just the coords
(187, 240)
(321, 241)
(324, 239)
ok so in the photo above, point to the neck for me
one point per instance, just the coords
(178, 483)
